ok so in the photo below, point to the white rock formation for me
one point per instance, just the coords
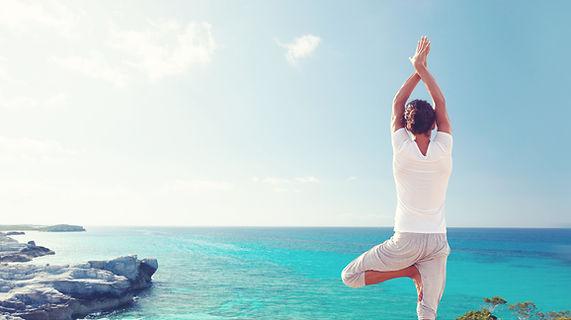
(14, 251)
(29, 291)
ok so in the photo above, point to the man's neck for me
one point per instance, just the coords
(421, 138)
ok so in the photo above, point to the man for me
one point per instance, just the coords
(419, 247)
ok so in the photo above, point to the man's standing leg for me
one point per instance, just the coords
(433, 275)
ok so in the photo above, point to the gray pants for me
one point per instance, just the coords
(427, 251)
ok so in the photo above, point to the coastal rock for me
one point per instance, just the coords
(15, 233)
(14, 251)
(30, 291)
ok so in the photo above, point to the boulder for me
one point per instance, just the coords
(14, 251)
(15, 233)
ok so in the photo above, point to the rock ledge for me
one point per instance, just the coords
(14, 251)
(30, 291)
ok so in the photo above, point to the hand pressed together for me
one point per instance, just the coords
(422, 49)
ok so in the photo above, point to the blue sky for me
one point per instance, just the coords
(275, 112)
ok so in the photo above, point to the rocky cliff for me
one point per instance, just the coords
(29, 291)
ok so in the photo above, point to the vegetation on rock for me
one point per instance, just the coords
(521, 310)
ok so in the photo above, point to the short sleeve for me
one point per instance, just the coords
(399, 138)
(444, 139)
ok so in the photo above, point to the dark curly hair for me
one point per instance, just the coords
(418, 116)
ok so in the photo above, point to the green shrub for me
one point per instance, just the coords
(522, 310)
(478, 315)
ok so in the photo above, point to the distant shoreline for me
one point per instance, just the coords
(44, 228)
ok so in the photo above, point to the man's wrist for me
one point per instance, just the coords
(421, 70)
(420, 67)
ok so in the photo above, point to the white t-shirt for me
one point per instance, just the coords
(421, 182)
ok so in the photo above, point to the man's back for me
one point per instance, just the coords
(421, 182)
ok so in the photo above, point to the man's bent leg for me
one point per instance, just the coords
(374, 277)
(382, 262)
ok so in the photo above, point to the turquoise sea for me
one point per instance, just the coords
(294, 272)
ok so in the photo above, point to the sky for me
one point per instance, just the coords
(275, 113)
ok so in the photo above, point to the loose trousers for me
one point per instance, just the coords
(427, 251)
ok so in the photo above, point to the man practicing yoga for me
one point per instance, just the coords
(419, 248)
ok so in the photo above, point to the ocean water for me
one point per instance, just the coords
(294, 273)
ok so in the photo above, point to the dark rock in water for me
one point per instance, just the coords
(14, 233)
(34, 251)
(62, 228)
(15, 258)
(14, 251)
(30, 291)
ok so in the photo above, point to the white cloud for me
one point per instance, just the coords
(277, 181)
(165, 48)
(274, 180)
(285, 184)
(18, 102)
(351, 178)
(307, 179)
(30, 148)
(95, 66)
(301, 47)
(56, 100)
(162, 49)
(278, 189)
(26, 102)
(4, 75)
(197, 185)
(21, 15)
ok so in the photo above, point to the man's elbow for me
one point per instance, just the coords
(398, 102)
(440, 103)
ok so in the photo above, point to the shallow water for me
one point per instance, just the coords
(294, 273)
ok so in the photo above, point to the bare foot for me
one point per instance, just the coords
(415, 276)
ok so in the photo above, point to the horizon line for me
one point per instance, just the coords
(314, 226)
(276, 226)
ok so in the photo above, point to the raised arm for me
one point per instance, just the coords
(442, 119)
(404, 92)
(400, 99)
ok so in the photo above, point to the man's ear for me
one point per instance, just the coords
(433, 125)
